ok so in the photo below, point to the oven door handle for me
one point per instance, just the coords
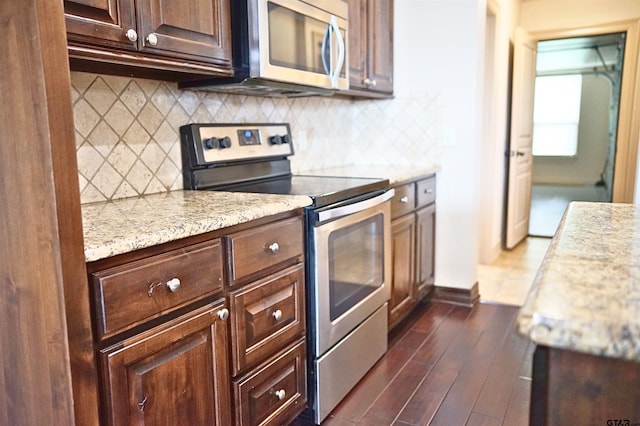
(338, 212)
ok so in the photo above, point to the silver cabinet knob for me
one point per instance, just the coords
(280, 394)
(373, 83)
(173, 285)
(152, 39)
(277, 315)
(223, 314)
(274, 247)
(367, 81)
(404, 200)
(132, 35)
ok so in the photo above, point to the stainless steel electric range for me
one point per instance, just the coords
(348, 245)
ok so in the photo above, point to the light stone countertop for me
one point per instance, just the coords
(395, 174)
(586, 295)
(120, 226)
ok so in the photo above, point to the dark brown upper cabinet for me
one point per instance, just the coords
(165, 37)
(371, 47)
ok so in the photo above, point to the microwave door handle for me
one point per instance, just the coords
(338, 212)
(333, 23)
(323, 50)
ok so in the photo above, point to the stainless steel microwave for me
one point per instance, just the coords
(286, 48)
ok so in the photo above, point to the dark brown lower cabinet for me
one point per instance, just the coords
(571, 388)
(403, 237)
(175, 374)
(425, 249)
(413, 219)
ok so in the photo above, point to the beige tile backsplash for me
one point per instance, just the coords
(127, 131)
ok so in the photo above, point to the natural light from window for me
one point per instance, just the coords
(556, 115)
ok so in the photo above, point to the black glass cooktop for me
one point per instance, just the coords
(323, 190)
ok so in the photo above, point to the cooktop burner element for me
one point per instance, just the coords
(255, 158)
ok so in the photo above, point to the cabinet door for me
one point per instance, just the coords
(100, 22)
(403, 233)
(358, 43)
(426, 228)
(192, 29)
(175, 374)
(380, 67)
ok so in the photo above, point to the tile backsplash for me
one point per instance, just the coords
(127, 131)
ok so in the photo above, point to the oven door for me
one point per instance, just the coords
(351, 262)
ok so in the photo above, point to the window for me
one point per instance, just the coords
(556, 115)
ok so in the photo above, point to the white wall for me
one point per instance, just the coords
(500, 26)
(543, 15)
(438, 45)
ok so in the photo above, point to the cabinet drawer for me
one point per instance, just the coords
(426, 191)
(275, 392)
(266, 316)
(257, 249)
(133, 293)
(404, 200)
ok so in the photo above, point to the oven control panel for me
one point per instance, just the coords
(221, 143)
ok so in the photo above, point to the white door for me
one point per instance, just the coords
(520, 159)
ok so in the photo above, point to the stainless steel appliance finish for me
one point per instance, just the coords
(348, 241)
(338, 371)
(286, 48)
(353, 258)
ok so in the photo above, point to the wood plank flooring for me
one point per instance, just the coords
(446, 365)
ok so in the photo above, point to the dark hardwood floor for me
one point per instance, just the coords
(446, 365)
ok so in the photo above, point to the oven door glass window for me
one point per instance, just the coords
(356, 263)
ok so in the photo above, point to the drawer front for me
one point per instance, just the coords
(130, 294)
(426, 191)
(404, 201)
(266, 316)
(256, 249)
(274, 393)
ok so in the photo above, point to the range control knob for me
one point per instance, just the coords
(275, 140)
(225, 142)
(217, 143)
(211, 143)
(286, 139)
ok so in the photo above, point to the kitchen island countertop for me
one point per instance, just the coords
(120, 226)
(586, 295)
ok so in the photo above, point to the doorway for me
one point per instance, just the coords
(575, 118)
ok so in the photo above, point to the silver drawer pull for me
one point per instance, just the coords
(223, 314)
(277, 315)
(280, 394)
(404, 200)
(173, 285)
(274, 247)
(428, 191)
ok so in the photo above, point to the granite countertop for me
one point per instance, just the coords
(120, 226)
(586, 295)
(395, 174)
